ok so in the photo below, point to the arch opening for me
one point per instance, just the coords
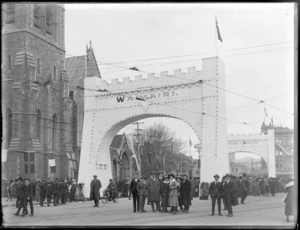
(251, 163)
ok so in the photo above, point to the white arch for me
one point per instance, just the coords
(189, 101)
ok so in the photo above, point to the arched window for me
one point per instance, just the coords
(36, 15)
(39, 125)
(10, 13)
(38, 67)
(9, 62)
(49, 16)
(54, 132)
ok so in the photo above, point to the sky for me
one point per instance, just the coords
(257, 49)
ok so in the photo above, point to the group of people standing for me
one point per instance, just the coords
(56, 191)
(229, 189)
(161, 192)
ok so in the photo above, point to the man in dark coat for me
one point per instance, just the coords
(42, 192)
(142, 191)
(29, 195)
(95, 193)
(64, 192)
(73, 190)
(185, 193)
(235, 191)
(55, 191)
(216, 192)
(134, 192)
(244, 188)
(228, 194)
(153, 186)
(49, 188)
(21, 200)
(19, 185)
(223, 196)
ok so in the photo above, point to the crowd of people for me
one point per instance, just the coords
(56, 192)
(159, 190)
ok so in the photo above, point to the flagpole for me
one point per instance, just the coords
(216, 44)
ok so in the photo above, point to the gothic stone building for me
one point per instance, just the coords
(42, 95)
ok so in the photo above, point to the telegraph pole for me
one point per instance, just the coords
(138, 137)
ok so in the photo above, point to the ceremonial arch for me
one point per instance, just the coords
(194, 97)
(262, 145)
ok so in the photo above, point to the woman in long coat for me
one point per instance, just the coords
(185, 193)
(289, 199)
(173, 193)
(178, 180)
(165, 194)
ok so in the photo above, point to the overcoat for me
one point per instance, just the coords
(141, 188)
(289, 199)
(173, 193)
(216, 189)
(153, 187)
(165, 194)
(185, 192)
(95, 187)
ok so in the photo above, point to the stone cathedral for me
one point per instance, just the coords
(42, 93)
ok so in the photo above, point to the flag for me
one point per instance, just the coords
(266, 111)
(218, 31)
(134, 68)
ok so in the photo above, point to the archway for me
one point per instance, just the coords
(253, 164)
(182, 96)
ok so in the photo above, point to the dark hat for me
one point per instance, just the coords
(20, 178)
(160, 172)
(143, 177)
(227, 175)
(171, 174)
(217, 176)
(26, 179)
(185, 175)
(94, 175)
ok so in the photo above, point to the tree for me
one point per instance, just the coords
(161, 150)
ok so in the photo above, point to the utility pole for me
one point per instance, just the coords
(138, 137)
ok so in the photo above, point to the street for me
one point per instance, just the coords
(258, 211)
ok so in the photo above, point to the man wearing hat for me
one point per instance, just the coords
(244, 188)
(28, 195)
(19, 190)
(228, 194)
(134, 192)
(216, 192)
(142, 191)
(185, 193)
(95, 193)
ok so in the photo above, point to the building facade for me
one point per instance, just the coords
(42, 98)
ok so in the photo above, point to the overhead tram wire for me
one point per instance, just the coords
(112, 64)
(206, 83)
